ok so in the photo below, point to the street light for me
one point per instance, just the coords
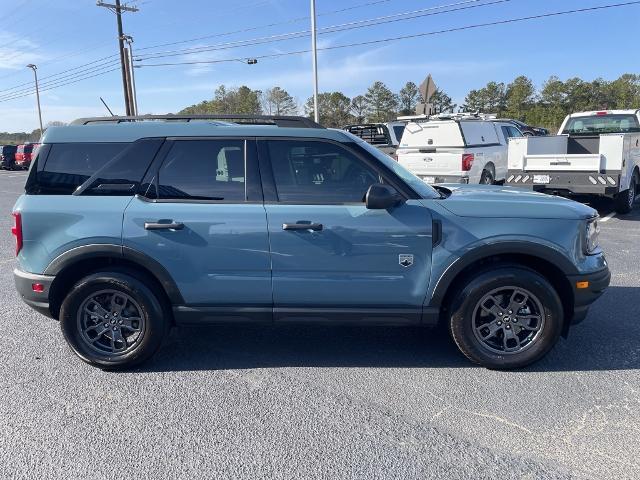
(35, 74)
(314, 50)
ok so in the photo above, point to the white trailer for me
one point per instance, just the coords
(597, 153)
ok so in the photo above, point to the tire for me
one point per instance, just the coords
(624, 200)
(487, 178)
(90, 336)
(469, 322)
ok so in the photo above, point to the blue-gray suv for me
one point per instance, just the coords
(127, 228)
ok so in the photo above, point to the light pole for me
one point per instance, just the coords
(314, 50)
(35, 74)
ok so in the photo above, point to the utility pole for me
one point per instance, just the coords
(35, 74)
(314, 49)
(117, 8)
(132, 74)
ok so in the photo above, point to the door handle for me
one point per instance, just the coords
(163, 226)
(316, 227)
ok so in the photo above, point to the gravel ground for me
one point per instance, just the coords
(324, 402)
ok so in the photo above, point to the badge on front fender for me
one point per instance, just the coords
(405, 259)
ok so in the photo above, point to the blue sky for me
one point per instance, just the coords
(61, 35)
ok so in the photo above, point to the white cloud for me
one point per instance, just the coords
(17, 51)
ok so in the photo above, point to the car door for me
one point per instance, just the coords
(204, 221)
(332, 258)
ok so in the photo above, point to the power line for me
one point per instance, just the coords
(364, 43)
(62, 78)
(371, 22)
(81, 67)
(61, 85)
(406, 37)
(260, 27)
(75, 69)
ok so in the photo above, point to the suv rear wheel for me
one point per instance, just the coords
(112, 320)
(506, 318)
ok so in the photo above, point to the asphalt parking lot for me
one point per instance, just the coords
(322, 402)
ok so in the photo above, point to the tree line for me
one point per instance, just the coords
(377, 104)
(20, 138)
(548, 106)
(519, 99)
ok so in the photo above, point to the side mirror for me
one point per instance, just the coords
(381, 197)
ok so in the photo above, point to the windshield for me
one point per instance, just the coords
(602, 124)
(421, 188)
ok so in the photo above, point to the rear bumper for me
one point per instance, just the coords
(578, 183)
(39, 301)
(444, 178)
(584, 297)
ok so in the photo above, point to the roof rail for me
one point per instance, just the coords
(277, 120)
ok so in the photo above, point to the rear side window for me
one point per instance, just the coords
(398, 130)
(91, 168)
(204, 170)
(69, 165)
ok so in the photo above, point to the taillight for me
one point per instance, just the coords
(467, 161)
(601, 114)
(16, 230)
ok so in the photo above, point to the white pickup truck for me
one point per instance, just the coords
(596, 153)
(456, 148)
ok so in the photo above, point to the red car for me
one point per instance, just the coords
(25, 154)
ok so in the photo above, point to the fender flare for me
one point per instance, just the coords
(117, 252)
(542, 252)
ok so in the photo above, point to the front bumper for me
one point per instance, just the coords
(584, 297)
(39, 301)
(577, 183)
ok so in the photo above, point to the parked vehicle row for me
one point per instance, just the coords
(597, 153)
(126, 229)
(18, 157)
(456, 148)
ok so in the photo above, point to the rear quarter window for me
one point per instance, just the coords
(64, 167)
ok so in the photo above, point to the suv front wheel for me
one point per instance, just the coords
(112, 320)
(506, 318)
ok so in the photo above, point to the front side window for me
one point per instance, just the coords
(204, 170)
(309, 171)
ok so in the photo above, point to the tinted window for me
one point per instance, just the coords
(318, 172)
(514, 132)
(69, 165)
(123, 173)
(398, 130)
(598, 124)
(204, 170)
(506, 133)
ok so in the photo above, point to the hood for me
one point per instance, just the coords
(494, 201)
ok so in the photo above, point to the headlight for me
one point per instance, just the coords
(593, 232)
